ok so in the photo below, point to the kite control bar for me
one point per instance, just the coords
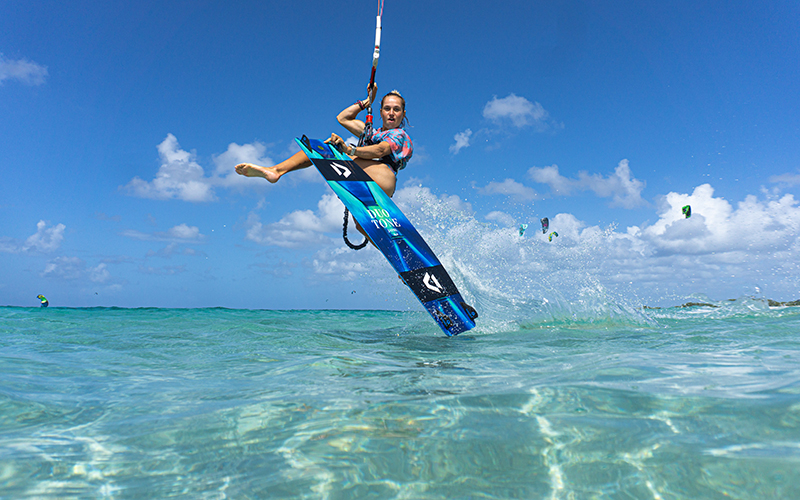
(376, 54)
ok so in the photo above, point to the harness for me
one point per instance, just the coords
(388, 159)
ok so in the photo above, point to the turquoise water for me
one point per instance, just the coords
(214, 403)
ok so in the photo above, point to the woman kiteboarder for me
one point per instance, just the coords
(384, 151)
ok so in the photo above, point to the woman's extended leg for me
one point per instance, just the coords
(295, 162)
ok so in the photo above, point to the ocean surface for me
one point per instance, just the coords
(678, 403)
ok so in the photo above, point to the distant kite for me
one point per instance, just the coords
(41, 297)
(551, 235)
(522, 228)
(545, 225)
(687, 211)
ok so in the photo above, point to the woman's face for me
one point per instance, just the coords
(392, 112)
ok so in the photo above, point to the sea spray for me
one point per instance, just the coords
(514, 280)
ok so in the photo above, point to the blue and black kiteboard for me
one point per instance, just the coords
(394, 235)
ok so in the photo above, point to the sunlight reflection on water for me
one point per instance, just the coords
(337, 404)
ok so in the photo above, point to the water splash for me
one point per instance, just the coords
(518, 281)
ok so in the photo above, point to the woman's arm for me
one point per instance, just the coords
(347, 118)
(379, 150)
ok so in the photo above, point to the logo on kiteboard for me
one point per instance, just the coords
(341, 170)
(381, 218)
(431, 283)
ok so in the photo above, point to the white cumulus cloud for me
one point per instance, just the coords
(22, 70)
(239, 153)
(342, 263)
(179, 177)
(182, 233)
(716, 226)
(45, 240)
(99, 274)
(621, 186)
(75, 269)
(506, 114)
(511, 188)
(67, 268)
(462, 141)
(501, 218)
(185, 232)
(299, 228)
(311, 229)
(723, 249)
(414, 199)
(788, 179)
(517, 110)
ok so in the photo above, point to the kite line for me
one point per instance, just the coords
(376, 54)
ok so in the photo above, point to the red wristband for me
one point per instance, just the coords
(360, 104)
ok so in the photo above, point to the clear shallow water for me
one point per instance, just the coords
(214, 403)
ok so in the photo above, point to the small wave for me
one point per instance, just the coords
(699, 306)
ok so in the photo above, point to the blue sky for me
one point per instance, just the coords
(120, 124)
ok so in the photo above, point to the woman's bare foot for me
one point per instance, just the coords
(250, 170)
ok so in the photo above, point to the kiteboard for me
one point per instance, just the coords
(394, 235)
